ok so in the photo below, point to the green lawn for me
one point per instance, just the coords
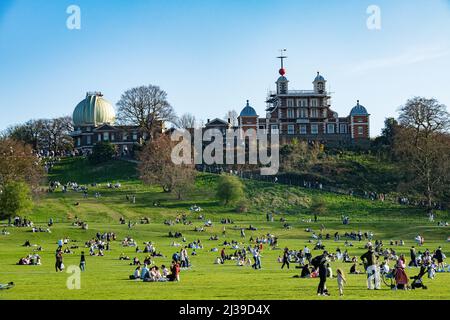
(107, 277)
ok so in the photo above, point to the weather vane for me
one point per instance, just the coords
(282, 57)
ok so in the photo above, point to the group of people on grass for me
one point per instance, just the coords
(156, 274)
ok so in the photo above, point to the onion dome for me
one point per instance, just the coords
(248, 111)
(359, 110)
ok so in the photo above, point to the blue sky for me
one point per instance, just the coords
(212, 55)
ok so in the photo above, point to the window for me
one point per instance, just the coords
(291, 129)
(290, 103)
(125, 136)
(302, 103)
(274, 128)
(88, 140)
(290, 113)
(313, 102)
(99, 137)
(302, 129)
(135, 136)
(113, 137)
(330, 128)
(343, 128)
(78, 141)
(105, 136)
(314, 129)
(88, 129)
(360, 131)
(314, 113)
(303, 113)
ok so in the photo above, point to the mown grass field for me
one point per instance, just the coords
(107, 277)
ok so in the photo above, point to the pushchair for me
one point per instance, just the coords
(417, 280)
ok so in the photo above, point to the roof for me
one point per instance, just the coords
(248, 111)
(93, 109)
(359, 110)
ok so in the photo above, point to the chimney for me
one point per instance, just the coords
(208, 121)
(229, 120)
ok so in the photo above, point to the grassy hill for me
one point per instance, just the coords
(106, 277)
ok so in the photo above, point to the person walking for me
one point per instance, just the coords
(373, 272)
(439, 256)
(320, 263)
(285, 258)
(412, 253)
(59, 261)
(82, 261)
(341, 281)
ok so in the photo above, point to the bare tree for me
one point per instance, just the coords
(232, 116)
(146, 107)
(55, 134)
(156, 167)
(423, 146)
(29, 132)
(186, 121)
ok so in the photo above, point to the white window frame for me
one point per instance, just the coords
(332, 127)
(105, 136)
(304, 113)
(314, 129)
(314, 113)
(290, 113)
(274, 129)
(290, 103)
(291, 129)
(303, 129)
(314, 103)
(360, 131)
(342, 128)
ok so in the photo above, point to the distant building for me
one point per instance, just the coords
(93, 121)
(304, 115)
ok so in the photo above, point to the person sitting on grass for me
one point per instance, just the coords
(306, 272)
(354, 270)
(145, 273)
(165, 271)
(174, 272)
(137, 274)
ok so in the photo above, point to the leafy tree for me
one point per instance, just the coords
(229, 189)
(318, 207)
(157, 168)
(102, 151)
(19, 163)
(15, 199)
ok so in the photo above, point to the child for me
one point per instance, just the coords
(82, 261)
(341, 280)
